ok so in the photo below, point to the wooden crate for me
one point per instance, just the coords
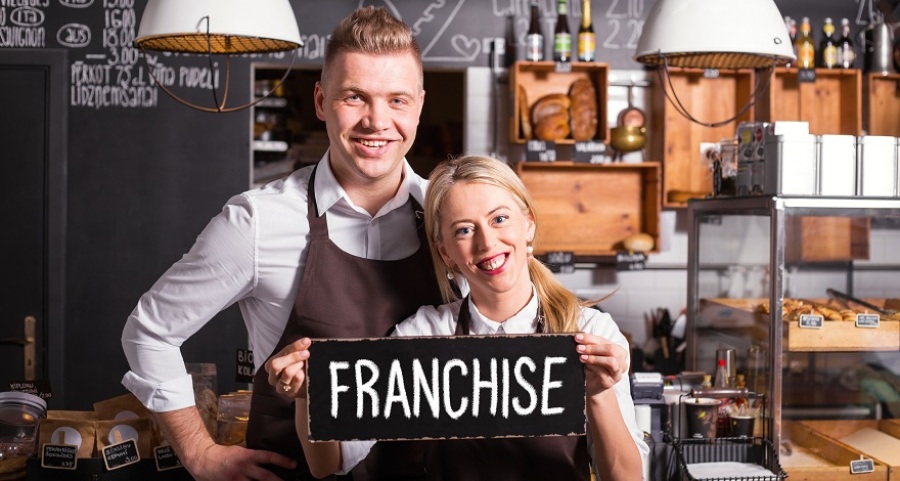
(826, 239)
(832, 104)
(836, 430)
(708, 100)
(541, 78)
(882, 106)
(590, 209)
(816, 457)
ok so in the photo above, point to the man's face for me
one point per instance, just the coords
(371, 106)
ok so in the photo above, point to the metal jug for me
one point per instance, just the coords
(877, 42)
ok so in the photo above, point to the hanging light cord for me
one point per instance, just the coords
(681, 109)
(220, 108)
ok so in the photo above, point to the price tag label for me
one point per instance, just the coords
(122, 454)
(165, 458)
(869, 321)
(40, 388)
(806, 75)
(591, 152)
(630, 261)
(562, 67)
(811, 321)
(540, 151)
(245, 367)
(561, 262)
(59, 456)
(862, 466)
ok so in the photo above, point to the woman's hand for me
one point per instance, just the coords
(605, 362)
(287, 369)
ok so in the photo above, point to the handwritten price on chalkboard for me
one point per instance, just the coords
(626, 22)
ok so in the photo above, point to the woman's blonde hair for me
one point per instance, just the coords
(561, 306)
(374, 31)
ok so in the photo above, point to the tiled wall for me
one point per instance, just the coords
(664, 283)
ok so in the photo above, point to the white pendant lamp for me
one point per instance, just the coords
(218, 27)
(714, 34)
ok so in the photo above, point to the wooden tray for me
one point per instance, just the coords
(833, 336)
(589, 209)
(882, 104)
(540, 78)
(832, 104)
(708, 100)
(835, 430)
(836, 455)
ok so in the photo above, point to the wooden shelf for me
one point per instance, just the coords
(832, 104)
(538, 79)
(589, 209)
(882, 107)
(708, 100)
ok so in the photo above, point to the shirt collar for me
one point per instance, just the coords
(329, 192)
(522, 322)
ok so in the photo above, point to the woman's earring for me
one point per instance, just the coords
(530, 250)
(450, 275)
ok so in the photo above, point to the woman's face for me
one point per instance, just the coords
(484, 235)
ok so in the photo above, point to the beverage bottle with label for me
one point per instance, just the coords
(534, 40)
(845, 50)
(828, 48)
(791, 26)
(806, 49)
(562, 38)
(722, 381)
(587, 41)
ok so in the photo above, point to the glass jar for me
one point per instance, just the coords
(20, 414)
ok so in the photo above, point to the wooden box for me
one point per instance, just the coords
(589, 209)
(538, 79)
(832, 104)
(882, 107)
(816, 457)
(826, 239)
(708, 100)
(840, 430)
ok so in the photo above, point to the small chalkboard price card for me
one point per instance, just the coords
(811, 321)
(540, 151)
(165, 458)
(591, 152)
(862, 466)
(560, 262)
(806, 75)
(870, 321)
(630, 261)
(122, 454)
(59, 456)
(445, 387)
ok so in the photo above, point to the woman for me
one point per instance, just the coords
(481, 227)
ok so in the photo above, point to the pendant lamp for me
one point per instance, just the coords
(714, 34)
(218, 27)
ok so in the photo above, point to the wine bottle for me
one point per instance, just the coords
(845, 50)
(534, 40)
(806, 49)
(828, 56)
(587, 41)
(562, 38)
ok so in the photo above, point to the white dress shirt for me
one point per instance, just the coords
(253, 253)
(441, 321)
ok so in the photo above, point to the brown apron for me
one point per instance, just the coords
(512, 459)
(344, 296)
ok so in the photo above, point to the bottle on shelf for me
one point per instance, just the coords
(791, 26)
(828, 50)
(707, 382)
(846, 52)
(587, 41)
(806, 49)
(562, 38)
(722, 379)
(534, 40)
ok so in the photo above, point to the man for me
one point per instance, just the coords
(333, 250)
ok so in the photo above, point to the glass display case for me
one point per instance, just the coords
(805, 291)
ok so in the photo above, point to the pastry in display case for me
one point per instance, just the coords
(819, 339)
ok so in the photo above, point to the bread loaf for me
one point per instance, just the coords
(583, 101)
(550, 115)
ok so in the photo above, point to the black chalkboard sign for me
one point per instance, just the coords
(59, 456)
(445, 387)
(122, 454)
